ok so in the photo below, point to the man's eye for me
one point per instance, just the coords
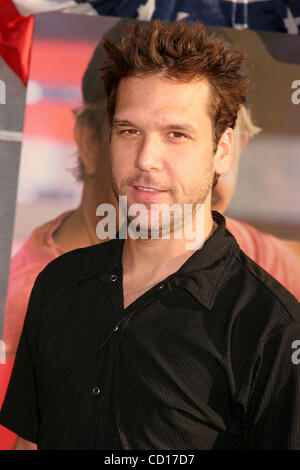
(177, 135)
(129, 132)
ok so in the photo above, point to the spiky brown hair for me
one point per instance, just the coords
(182, 52)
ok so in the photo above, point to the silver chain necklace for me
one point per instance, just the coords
(154, 284)
(140, 290)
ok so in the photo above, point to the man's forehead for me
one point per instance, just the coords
(161, 94)
(165, 80)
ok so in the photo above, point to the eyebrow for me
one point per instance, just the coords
(123, 123)
(180, 126)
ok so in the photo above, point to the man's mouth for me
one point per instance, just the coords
(152, 190)
(148, 193)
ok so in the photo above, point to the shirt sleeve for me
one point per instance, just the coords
(20, 410)
(274, 407)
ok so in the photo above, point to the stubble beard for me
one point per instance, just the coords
(176, 220)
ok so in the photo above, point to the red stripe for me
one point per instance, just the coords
(15, 38)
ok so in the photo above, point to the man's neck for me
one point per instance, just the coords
(75, 231)
(147, 260)
(79, 229)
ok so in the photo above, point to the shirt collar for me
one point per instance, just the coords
(208, 268)
(202, 274)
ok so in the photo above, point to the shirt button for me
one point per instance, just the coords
(161, 286)
(113, 277)
(96, 391)
(116, 328)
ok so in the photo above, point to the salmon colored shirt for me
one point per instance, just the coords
(265, 249)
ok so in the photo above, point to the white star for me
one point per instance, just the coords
(145, 12)
(290, 22)
(181, 15)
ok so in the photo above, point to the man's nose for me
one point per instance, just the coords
(150, 154)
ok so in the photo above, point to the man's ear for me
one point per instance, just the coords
(224, 153)
(88, 147)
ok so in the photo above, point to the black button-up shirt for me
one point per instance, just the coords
(206, 359)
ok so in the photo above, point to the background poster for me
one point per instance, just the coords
(12, 105)
(267, 191)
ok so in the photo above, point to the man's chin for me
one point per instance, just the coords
(146, 230)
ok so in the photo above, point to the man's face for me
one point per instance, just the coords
(162, 140)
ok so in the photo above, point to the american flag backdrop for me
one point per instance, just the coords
(16, 20)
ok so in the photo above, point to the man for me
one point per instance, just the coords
(141, 343)
(76, 228)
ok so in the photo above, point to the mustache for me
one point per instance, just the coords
(146, 181)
